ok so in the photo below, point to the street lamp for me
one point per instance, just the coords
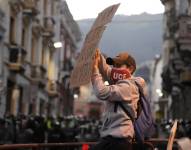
(58, 44)
(75, 96)
(106, 83)
(159, 92)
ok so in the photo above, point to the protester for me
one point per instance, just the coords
(5, 134)
(117, 131)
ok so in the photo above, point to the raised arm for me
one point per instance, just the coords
(104, 68)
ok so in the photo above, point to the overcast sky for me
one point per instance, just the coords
(83, 9)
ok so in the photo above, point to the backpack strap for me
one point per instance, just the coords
(115, 106)
(141, 93)
(128, 110)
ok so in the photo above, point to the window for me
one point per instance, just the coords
(23, 37)
(45, 7)
(43, 56)
(10, 86)
(42, 107)
(33, 47)
(12, 30)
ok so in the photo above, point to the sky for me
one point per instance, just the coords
(83, 9)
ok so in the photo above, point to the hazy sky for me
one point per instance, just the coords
(82, 9)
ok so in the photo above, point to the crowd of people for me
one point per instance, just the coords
(183, 128)
(36, 129)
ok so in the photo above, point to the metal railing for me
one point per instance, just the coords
(45, 146)
(150, 144)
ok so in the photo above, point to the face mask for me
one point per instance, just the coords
(119, 74)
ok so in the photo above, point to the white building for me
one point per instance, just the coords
(30, 66)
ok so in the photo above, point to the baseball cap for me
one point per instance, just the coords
(122, 58)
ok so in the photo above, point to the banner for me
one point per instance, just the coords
(81, 73)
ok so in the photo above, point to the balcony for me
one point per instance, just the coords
(30, 7)
(183, 35)
(48, 27)
(185, 76)
(35, 72)
(16, 58)
(184, 32)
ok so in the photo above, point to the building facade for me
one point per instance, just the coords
(2, 33)
(33, 70)
(177, 58)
